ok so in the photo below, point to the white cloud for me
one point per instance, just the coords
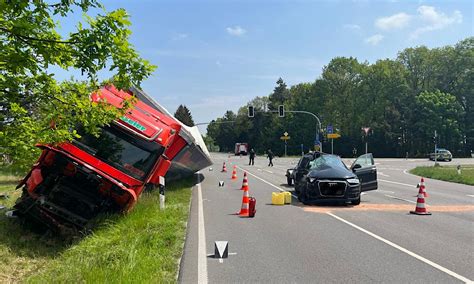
(433, 20)
(375, 39)
(236, 31)
(180, 36)
(352, 27)
(396, 21)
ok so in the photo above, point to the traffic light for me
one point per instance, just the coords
(281, 111)
(251, 111)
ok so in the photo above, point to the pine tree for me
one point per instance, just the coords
(184, 115)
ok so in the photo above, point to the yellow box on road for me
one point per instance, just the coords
(278, 198)
(287, 197)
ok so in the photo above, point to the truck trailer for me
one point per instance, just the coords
(73, 182)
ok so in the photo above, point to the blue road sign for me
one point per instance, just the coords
(329, 129)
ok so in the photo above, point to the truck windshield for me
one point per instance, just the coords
(129, 154)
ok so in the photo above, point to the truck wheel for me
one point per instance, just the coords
(356, 202)
(289, 181)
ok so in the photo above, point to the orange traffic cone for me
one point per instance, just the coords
(420, 206)
(234, 173)
(224, 169)
(245, 182)
(244, 211)
(422, 188)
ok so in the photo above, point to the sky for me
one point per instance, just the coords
(214, 56)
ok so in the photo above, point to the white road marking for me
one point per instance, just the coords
(410, 253)
(470, 195)
(382, 174)
(269, 171)
(271, 184)
(259, 170)
(202, 261)
(381, 190)
(399, 198)
(399, 183)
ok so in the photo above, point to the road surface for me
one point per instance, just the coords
(377, 241)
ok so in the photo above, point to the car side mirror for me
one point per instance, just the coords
(356, 166)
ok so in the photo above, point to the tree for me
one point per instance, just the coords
(184, 115)
(279, 96)
(31, 98)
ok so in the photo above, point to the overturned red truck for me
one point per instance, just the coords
(73, 182)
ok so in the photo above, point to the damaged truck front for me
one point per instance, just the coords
(73, 182)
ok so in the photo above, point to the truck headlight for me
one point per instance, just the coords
(353, 181)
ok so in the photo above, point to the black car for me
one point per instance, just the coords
(328, 179)
(297, 174)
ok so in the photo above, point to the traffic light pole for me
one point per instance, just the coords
(281, 112)
(315, 116)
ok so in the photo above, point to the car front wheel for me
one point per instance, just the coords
(356, 202)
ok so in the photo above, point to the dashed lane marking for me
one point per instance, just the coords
(269, 171)
(410, 253)
(386, 191)
(399, 198)
(399, 183)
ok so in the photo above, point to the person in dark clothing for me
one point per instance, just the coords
(270, 157)
(251, 157)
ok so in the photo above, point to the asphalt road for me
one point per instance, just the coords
(377, 241)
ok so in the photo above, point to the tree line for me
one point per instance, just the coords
(403, 101)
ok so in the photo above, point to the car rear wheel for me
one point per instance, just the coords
(289, 181)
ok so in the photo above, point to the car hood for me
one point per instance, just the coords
(328, 172)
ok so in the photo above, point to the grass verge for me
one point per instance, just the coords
(142, 246)
(447, 173)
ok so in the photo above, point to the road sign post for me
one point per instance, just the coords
(366, 130)
(332, 136)
(285, 138)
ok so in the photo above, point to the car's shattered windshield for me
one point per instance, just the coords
(133, 156)
(326, 161)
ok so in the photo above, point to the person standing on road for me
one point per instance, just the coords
(270, 157)
(251, 157)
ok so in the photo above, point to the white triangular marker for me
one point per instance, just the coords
(221, 183)
(221, 249)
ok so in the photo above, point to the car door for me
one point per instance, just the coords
(301, 171)
(364, 168)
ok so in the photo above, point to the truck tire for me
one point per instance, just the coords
(289, 180)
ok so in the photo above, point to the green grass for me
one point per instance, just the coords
(447, 173)
(142, 246)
